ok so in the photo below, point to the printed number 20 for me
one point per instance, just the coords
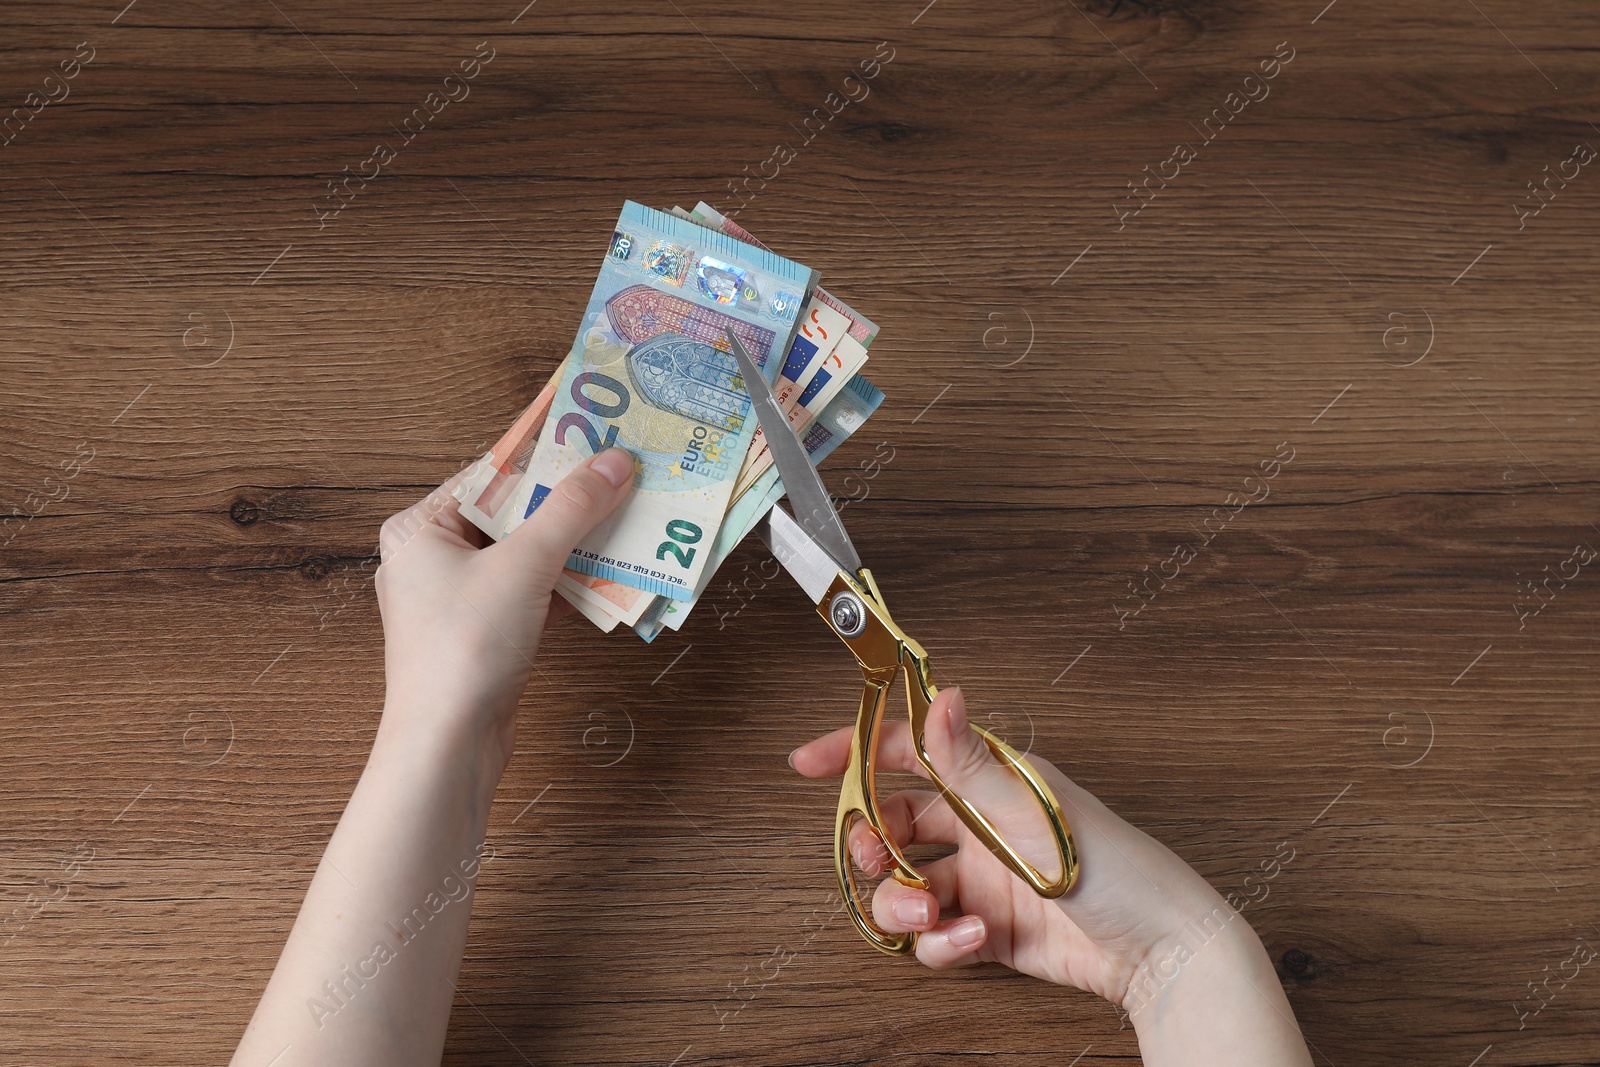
(576, 420)
(683, 532)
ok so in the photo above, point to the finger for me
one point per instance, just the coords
(898, 908)
(824, 756)
(829, 754)
(444, 509)
(952, 943)
(944, 882)
(438, 508)
(973, 772)
(560, 608)
(579, 502)
(957, 752)
(910, 817)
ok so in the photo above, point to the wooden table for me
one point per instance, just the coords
(1329, 347)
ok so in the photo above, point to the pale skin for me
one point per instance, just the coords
(462, 622)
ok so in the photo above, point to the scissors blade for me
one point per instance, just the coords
(807, 562)
(813, 507)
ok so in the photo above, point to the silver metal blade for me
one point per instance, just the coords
(813, 507)
(806, 561)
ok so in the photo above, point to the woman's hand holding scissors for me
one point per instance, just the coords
(1140, 928)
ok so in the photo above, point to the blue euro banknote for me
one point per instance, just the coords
(842, 416)
(649, 371)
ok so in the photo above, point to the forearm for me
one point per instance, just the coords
(1209, 995)
(368, 974)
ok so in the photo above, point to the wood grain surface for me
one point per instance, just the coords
(213, 398)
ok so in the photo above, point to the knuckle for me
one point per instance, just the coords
(383, 583)
(545, 570)
(399, 527)
(580, 490)
(925, 814)
(389, 537)
(883, 905)
(971, 757)
(880, 907)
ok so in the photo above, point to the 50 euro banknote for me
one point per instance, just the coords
(485, 491)
(649, 371)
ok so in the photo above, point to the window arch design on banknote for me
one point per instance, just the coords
(639, 313)
(692, 379)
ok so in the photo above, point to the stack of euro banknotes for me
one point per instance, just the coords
(650, 370)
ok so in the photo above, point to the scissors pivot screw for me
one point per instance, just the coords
(848, 616)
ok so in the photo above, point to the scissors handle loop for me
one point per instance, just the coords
(855, 611)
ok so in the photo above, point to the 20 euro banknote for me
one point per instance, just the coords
(853, 406)
(819, 328)
(486, 490)
(649, 371)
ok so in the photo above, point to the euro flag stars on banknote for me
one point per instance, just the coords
(649, 371)
(485, 492)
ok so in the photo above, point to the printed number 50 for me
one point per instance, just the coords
(684, 533)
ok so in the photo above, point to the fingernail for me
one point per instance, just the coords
(614, 465)
(913, 911)
(968, 933)
(958, 715)
(791, 761)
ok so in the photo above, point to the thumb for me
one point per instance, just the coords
(570, 511)
(986, 781)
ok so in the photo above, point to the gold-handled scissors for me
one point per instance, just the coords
(816, 551)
